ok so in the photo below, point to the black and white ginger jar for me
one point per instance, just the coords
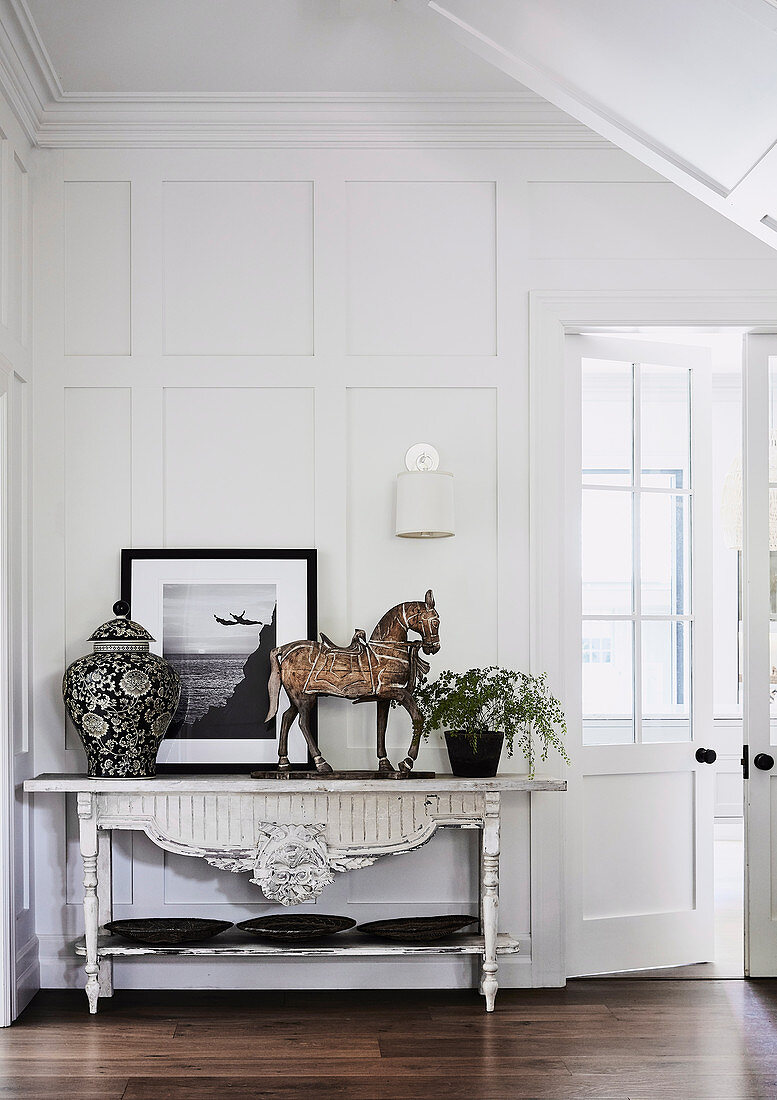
(121, 699)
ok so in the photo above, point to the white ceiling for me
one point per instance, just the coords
(254, 48)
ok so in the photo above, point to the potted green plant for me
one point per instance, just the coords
(484, 708)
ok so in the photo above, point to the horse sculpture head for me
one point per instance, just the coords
(426, 622)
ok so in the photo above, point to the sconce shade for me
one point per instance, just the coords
(425, 505)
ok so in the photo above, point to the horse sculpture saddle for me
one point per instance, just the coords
(348, 670)
(358, 642)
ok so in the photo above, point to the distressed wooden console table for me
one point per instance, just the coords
(292, 836)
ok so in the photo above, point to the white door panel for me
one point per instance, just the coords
(759, 624)
(640, 836)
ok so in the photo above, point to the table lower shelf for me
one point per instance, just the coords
(235, 944)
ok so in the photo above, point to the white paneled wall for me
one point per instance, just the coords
(238, 264)
(606, 220)
(235, 348)
(228, 480)
(97, 275)
(421, 268)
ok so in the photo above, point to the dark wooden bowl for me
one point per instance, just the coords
(168, 931)
(416, 929)
(295, 926)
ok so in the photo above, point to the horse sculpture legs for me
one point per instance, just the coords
(283, 741)
(409, 703)
(405, 699)
(384, 764)
(302, 707)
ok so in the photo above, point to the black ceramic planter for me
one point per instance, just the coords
(474, 763)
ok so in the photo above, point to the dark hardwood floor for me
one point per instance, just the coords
(606, 1039)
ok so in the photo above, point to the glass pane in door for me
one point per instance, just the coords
(665, 547)
(665, 397)
(666, 681)
(608, 682)
(607, 555)
(608, 405)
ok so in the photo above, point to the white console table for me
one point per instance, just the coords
(292, 836)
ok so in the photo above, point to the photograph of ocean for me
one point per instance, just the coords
(219, 638)
(210, 680)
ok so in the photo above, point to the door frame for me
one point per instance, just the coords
(7, 861)
(552, 316)
(19, 974)
(759, 818)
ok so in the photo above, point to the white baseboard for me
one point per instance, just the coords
(515, 972)
(59, 968)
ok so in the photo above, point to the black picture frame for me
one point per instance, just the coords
(155, 582)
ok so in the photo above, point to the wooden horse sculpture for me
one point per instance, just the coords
(383, 669)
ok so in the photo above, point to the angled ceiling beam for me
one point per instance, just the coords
(495, 31)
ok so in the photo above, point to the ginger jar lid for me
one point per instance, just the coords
(121, 629)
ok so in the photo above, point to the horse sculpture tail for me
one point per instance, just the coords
(274, 684)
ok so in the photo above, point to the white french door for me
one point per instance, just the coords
(640, 801)
(759, 613)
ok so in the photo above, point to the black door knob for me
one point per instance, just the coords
(764, 761)
(707, 756)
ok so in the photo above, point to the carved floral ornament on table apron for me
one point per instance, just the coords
(291, 863)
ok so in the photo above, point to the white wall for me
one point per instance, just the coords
(342, 304)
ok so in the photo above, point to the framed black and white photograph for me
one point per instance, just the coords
(216, 615)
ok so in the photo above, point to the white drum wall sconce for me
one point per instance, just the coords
(425, 505)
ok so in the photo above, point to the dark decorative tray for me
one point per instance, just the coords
(416, 929)
(302, 926)
(167, 931)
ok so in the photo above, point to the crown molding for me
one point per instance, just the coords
(27, 79)
(389, 120)
(53, 119)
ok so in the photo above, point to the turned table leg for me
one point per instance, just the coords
(489, 896)
(87, 821)
(105, 903)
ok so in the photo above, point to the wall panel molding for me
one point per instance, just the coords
(238, 467)
(421, 268)
(238, 267)
(97, 268)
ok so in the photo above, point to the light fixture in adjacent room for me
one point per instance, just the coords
(424, 496)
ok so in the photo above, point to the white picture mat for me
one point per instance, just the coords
(290, 576)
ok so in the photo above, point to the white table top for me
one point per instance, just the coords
(244, 784)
